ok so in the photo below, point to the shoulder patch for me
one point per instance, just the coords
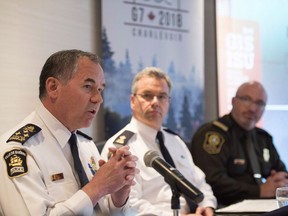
(123, 138)
(84, 135)
(213, 142)
(16, 162)
(24, 133)
(220, 125)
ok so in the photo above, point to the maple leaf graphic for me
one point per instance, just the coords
(151, 16)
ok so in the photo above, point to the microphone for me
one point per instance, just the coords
(172, 176)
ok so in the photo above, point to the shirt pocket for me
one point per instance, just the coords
(61, 186)
(147, 173)
(237, 166)
(265, 168)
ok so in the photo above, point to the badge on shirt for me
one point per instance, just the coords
(57, 177)
(92, 165)
(16, 162)
(266, 154)
(213, 142)
(239, 161)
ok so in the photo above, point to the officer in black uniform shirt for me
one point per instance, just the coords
(238, 158)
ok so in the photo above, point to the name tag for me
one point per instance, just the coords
(239, 161)
(58, 176)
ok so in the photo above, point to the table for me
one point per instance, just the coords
(248, 208)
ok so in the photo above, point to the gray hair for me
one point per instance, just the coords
(150, 72)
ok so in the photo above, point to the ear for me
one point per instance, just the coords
(132, 101)
(52, 86)
(233, 101)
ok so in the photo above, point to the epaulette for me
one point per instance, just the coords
(24, 133)
(262, 131)
(220, 125)
(84, 135)
(170, 131)
(174, 133)
(123, 138)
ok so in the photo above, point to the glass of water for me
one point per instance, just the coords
(282, 196)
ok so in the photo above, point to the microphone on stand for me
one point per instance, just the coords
(172, 176)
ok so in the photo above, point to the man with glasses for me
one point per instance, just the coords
(149, 101)
(238, 158)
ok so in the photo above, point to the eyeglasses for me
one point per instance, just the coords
(246, 100)
(149, 97)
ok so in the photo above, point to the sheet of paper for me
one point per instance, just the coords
(258, 205)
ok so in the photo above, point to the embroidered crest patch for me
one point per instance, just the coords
(24, 133)
(92, 165)
(213, 142)
(16, 162)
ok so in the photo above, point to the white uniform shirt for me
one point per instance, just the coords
(152, 195)
(48, 157)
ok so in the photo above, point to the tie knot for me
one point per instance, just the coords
(248, 136)
(159, 136)
(163, 149)
(73, 139)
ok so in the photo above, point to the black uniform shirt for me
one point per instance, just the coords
(218, 149)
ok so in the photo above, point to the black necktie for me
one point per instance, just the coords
(77, 163)
(163, 149)
(253, 158)
(169, 160)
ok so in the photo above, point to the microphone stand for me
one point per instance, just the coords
(175, 200)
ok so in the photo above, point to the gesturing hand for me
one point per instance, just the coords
(114, 177)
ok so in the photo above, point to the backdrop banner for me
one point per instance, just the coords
(252, 45)
(239, 58)
(163, 33)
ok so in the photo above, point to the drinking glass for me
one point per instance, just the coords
(282, 196)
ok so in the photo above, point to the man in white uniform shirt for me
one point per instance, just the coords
(151, 195)
(38, 170)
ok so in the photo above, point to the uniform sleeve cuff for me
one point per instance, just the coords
(124, 209)
(80, 203)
